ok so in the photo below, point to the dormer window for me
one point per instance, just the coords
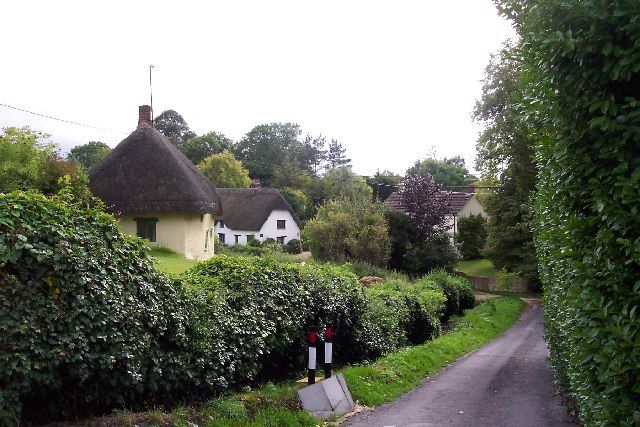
(282, 224)
(220, 223)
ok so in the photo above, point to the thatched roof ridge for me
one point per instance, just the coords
(146, 174)
(248, 208)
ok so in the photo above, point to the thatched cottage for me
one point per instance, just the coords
(255, 213)
(460, 204)
(157, 193)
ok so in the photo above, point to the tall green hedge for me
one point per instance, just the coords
(85, 322)
(582, 68)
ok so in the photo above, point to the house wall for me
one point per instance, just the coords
(185, 234)
(472, 207)
(268, 230)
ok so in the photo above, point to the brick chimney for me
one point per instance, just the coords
(144, 114)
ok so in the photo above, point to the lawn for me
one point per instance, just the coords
(171, 262)
(478, 267)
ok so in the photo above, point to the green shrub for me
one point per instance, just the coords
(424, 303)
(86, 322)
(271, 305)
(458, 291)
(582, 63)
(472, 236)
(293, 246)
(433, 253)
(348, 230)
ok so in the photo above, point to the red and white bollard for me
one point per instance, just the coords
(328, 349)
(313, 338)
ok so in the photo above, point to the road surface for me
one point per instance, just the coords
(505, 383)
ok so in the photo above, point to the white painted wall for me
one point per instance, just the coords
(472, 207)
(185, 234)
(268, 230)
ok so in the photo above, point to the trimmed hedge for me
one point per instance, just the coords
(582, 63)
(457, 290)
(85, 322)
(87, 325)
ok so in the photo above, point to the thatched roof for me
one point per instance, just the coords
(457, 201)
(147, 174)
(248, 208)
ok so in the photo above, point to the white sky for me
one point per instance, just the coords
(391, 80)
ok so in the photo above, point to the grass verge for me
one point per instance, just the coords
(478, 267)
(383, 381)
(399, 372)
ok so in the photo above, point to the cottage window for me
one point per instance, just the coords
(281, 224)
(237, 236)
(280, 240)
(206, 240)
(146, 228)
(221, 237)
(221, 224)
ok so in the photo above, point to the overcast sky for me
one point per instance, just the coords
(392, 80)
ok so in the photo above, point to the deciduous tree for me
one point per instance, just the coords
(89, 154)
(199, 147)
(172, 125)
(225, 171)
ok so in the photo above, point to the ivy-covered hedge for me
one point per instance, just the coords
(85, 322)
(87, 325)
(582, 69)
(269, 306)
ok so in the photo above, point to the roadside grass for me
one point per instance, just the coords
(382, 381)
(478, 267)
(399, 372)
(170, 262)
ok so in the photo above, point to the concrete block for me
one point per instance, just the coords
(328, 397)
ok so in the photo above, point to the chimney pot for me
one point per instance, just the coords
(144, 114)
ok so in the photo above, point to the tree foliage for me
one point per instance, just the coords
(342, 183)
(472, 236)
(345, 230)
(89, 154)
(425, 204)
(29, 162)
(505, 151)
(199, 147)
(336, 155)
(450, 173)
(581, 67)
(383, 184)
(172, 125)
(267, 146)
(225, 171)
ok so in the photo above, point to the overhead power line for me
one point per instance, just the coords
(61, 120)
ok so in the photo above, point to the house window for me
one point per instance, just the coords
(146, 228)
(206, 240)
(280, 240)
(237, 236)
(281, 224)
(221, 224)
(221, 237)
(261, 235)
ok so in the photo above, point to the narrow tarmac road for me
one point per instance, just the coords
(505, 383)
